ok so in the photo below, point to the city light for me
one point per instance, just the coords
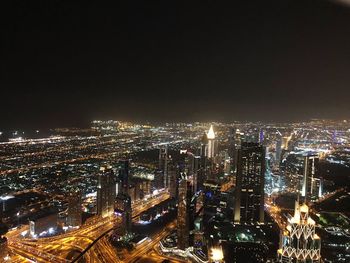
(217, 255)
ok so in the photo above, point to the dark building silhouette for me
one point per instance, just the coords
(123, 176)
(247, 252)
(249, 193)
(123, 209)
(185, 213)
(163, 165)
(173, 176)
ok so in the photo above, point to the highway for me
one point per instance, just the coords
(57, 248)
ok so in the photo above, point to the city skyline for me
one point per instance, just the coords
(185, 192)
(175, 131)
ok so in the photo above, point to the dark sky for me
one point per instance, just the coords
(65, 63)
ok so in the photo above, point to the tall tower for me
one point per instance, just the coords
(299, 241)
(232, 142)
(249, 194)
(172, 174)
(278, 151)
(308, 191)
(123, 176)
(74, 217)
(212, 147)
(106, 192)
(123, 208)
(184, 213)
(163, 164)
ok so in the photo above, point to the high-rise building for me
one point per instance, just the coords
(249, 192)
(74, 217)
(123, 208)
(204, 145)
(238, 141)
(212, 143)
(238, 138)
(172, 175)
(309, 190)
(278, 151)
(106, 192)
(299, 241)
(163, 165)
(184, 214)
(123, 176)
(196, 173)
(191, 166)
(232, 142)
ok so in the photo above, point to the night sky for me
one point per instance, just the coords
(65, 63)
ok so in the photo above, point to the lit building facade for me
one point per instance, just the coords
(310, 184)
(249, 194)
(299, 241)
(106, 192)
(212, 144)
(74, 217)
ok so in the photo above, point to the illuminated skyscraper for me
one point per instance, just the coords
(212, 144)
(184, 213)
(106, 192)
(191, 166)
(309, 189)
(299, 241)
(163, 165)
(74, 217)
(249, 193)
(123, 176)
